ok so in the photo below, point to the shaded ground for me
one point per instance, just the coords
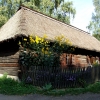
(87, 96)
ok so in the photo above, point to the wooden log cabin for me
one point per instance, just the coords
(78, 60)
(26, 22)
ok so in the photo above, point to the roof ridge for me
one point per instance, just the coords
(25, 7)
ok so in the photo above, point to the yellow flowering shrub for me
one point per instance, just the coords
(48, 53)
(62, 40)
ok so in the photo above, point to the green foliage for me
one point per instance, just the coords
(96, 64)
(94, 88)
(57, 3)
(49, 7)
(82, 83)
(65, 12)
(40, 52)
(68, 8)
(12, 87)
(97, 36)
(47, 87)
(3, 19)
(94, 25)
(4, 76)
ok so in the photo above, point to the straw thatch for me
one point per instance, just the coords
(27, 22)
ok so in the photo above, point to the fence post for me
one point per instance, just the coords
(97, 73)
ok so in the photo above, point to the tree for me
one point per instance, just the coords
(68, 12)
(8, 7)
(3, 19)
(68, 9)
(47, 7)
(57, 3)
(55, 8)
(64, 11)
(94, 25)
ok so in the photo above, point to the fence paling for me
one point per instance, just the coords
(62, 78)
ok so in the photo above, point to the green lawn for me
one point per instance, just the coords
(11, 87)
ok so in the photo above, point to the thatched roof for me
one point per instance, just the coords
(27, 22)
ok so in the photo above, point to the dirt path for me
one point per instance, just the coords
(87, 96)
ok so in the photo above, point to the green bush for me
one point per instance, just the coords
(40, 52)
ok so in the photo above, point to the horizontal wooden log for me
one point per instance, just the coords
(80, 56)
(9, 64)
(14, 73)
(8, 60)
(83, 61)
(4, 58)
(9, 70)
(8, 57)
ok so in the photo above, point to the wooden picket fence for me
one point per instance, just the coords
(61, 78)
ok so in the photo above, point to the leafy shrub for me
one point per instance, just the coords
(47, 87)
(95, 64)
(38, 54)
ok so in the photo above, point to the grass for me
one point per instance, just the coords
(11, 87)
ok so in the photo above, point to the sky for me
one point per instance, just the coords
(84, 9)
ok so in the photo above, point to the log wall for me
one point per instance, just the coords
(72, 60)
(9, 63)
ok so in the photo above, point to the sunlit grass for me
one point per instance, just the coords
(11, 87)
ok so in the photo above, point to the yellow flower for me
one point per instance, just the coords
(68, 42)
(44, 36)
(25, 39)
(37, 39)
(45, 51)
(58, 38)
(31, 39)
(42, 40)
(62, 36)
